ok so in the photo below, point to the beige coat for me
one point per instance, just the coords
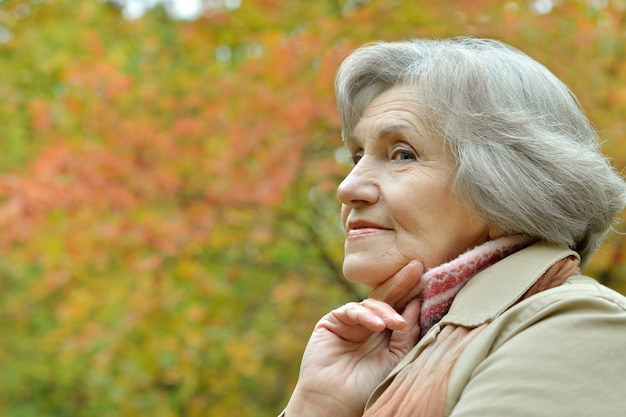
(561, 352)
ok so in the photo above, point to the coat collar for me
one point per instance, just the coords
(490, 292)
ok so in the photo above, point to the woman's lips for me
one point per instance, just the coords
(364, 231)
(363, 228)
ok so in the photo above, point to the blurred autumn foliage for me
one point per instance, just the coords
(169, 229)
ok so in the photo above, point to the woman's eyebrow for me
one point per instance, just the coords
(393, 128)
(385, 131)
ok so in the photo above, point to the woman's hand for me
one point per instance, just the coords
(351, 351)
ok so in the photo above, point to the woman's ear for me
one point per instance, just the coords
(495, 232)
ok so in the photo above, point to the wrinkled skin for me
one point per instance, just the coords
(400, 216)
(353, 348)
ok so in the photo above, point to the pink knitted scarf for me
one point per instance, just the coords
(441, 284)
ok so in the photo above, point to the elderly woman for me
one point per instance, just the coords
(478, 189)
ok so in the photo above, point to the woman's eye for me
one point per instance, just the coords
(356, 157)
(403, 155)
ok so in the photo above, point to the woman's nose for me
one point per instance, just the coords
(359, 187)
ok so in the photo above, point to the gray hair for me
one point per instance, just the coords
(528, 159)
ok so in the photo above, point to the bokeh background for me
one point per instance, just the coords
(169, 228)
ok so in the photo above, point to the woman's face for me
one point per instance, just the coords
(397, 200)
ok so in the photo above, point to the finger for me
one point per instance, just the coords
(357, 314)
(411, 295)
(402, 341)
(390, 317)
(395, 290)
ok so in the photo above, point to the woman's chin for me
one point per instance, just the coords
(367, 273)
